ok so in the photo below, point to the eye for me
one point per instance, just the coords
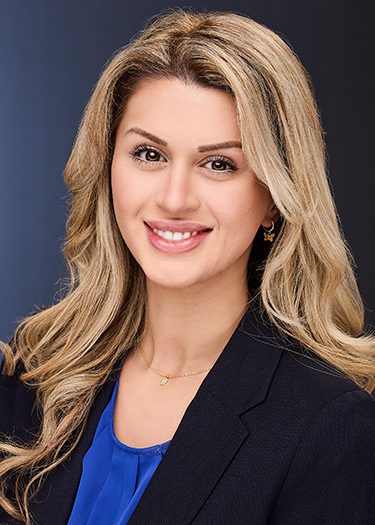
(219, 161)
(152, 154)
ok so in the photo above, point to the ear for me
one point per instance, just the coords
(272, 214)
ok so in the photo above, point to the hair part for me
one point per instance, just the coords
(67, 351)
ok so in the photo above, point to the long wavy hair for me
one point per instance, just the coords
(305, 280)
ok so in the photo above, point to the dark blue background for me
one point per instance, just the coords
(51, 54)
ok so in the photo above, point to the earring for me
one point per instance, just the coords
(268, 236)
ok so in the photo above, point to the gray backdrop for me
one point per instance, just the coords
(51, 53)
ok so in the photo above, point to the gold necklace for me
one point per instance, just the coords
(166, 377)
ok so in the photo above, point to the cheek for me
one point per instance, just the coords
(244, 211)
(123, 198)
(126, 191)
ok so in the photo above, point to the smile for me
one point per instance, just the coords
(175, 242)
(174, 236)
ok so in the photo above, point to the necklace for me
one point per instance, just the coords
(166, 377)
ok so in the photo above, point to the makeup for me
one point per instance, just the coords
(173, 243)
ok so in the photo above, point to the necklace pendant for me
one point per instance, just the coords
(164, 381)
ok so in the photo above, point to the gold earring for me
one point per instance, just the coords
(268, 236)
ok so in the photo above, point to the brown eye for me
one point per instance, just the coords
(150, 154)
(221, 164)
(217, 164)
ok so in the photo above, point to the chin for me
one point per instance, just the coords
(172, 284)
(167, 279)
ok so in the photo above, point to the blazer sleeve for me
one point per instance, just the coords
(331, 480)
(8, 387)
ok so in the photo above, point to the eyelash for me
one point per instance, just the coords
(140, 149)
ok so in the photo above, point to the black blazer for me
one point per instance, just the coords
(273, 436)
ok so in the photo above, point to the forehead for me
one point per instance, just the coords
(167, 107)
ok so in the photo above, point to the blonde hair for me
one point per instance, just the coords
(305, 280)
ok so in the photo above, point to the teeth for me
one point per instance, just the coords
(174, 236)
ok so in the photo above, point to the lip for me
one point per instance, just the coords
(180, 246)
(176, 226)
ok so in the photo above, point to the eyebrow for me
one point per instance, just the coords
(207, 147)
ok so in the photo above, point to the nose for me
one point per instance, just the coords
(177, 193)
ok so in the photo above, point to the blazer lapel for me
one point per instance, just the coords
(211, 431)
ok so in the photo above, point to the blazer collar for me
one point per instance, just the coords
(206, 440)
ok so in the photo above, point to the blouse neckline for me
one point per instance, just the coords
(151, 450)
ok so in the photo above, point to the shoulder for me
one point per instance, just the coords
(335, 405)
(302, 377)
(331, 474)
(313, 373)
(325, 425)
(300, 383)
(306, 391)
(314, 379)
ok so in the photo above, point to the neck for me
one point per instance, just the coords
(187, 329)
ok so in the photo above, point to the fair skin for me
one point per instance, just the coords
(196, 298)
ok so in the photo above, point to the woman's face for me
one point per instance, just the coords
(167, 173)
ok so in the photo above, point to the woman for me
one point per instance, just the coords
(208, 363)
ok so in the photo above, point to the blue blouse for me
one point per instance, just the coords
(114, 475)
